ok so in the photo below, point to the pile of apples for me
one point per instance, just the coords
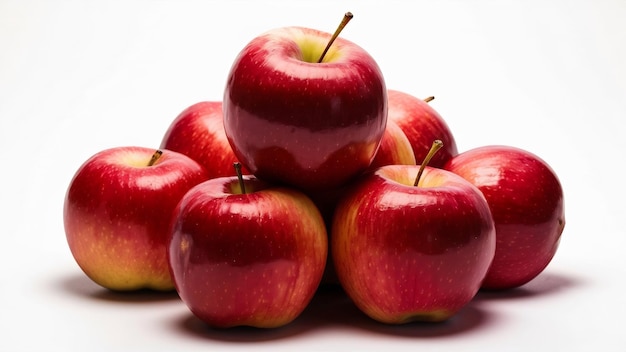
(307, 174)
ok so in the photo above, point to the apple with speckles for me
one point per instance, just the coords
(412, 243)
(198, 132)
(526, 199)
(117, 211)
(305, 108)
(246, 253)
(395, 148)
(422, 124)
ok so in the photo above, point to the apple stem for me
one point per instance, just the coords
(346, 18)
(437, 144)
(156, 156)
(429, 99)
(242, 185)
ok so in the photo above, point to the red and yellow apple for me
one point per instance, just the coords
(422, 124)
(117, 211)
(198, 132)
(243, 252)
(293, 120)
(395, 148)
(408, 253)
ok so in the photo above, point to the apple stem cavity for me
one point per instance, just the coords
(346, 18)
(242, 185)
(429, 99)
(156, 156)
(437, 144)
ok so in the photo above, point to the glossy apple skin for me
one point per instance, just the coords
(198, 132)
(526, 199)
(253, 259)
(422, 124)
(117, 212)
(405, 253)
(312, 126)
(395, 148)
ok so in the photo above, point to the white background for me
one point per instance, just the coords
(80, 76)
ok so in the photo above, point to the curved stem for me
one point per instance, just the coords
(346, 18)
(437, 144)
(429, 99)
(242, 185)
(156, 156)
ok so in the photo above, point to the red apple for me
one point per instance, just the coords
(293, 120)
(422, 124)
(408, 253)
(526, 199)
(198, 132)
(253, 258)
(395, 148)
(117, 211)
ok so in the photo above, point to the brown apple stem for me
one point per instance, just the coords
(346, 18)
(156, 156)
(437, 144)
(429, 99)
(242, 185)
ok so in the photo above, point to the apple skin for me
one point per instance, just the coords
(198, 132)
(404, 253)
(526, 200)
(395, 148)
(117, 211)
(294, 121)
(422, 124)
(253, 259)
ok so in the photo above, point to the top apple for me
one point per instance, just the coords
(292, 120)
